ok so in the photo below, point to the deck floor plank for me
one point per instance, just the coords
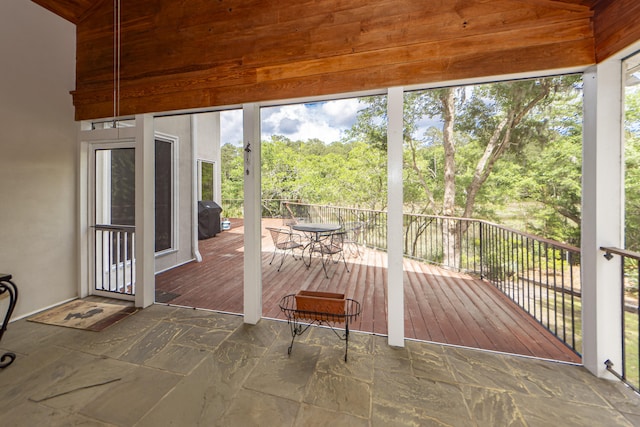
(440, 305)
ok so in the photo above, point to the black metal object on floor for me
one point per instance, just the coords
(300, 320)
(7, 289)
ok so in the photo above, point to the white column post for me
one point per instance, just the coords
(84, 237)
(145, 211)
(252, 215)
(195, 244)
(217, 159)
(602, 216)
(395, 102)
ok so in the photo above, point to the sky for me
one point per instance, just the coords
(327, 121)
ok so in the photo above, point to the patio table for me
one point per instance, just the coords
(314, 231)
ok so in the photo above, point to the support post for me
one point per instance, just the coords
(395, 274)
(145, 211)
(84, 238)
(602, 216)
(252, 215)
(195, 245)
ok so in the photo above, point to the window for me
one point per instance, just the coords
(115, 189)
(122, 173)
(206, 169)
(632, 153)
(164, 194)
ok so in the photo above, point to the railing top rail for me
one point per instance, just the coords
(337, 207)
(560, 245)
(621, 252)
(114, 227)
(555, 243)
(505, 228)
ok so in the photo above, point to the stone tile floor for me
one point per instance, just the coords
(168, 366)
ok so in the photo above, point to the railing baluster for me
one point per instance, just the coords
(538, 268)
(637, 314)
(563, 314)
(573, 313)
(118, 260)
(113, 260)
(110, 259)
(521, 269)
(624, 329)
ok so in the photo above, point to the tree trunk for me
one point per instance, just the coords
(499, 142)
(450, 241)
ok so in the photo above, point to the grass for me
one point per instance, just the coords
(631, 328)
(632, 354)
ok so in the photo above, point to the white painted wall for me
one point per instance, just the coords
(208, 146)
(37, 155)
(180, 127)
(204, 129)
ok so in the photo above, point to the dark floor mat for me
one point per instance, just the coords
(164, 297)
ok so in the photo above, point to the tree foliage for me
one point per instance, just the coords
(632, 166)
(508, 152)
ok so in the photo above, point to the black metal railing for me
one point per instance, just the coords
(114, 259)
(539, 275)
(447, 241)
(234, 208)
(370, 223)
(629, 372)
(542, 276)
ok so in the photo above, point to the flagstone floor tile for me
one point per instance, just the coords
(169, 366)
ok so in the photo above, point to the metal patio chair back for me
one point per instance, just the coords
(284, 241)
(331, 249)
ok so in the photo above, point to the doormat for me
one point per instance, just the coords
(87, 315)
(164, 297)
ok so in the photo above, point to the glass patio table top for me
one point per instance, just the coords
(316, 228)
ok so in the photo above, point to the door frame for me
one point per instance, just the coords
(139, 133)
(93, 212)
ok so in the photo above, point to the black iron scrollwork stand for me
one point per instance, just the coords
(9, 288)
(300, 320)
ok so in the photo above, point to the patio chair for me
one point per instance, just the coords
(292, 219)
(284, 241)
(331, 249)
(353, 231)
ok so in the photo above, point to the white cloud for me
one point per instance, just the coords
(326, 121)
(231, 127)
(342, 112)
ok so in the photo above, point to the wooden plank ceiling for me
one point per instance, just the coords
(76, 10)
(189, 54)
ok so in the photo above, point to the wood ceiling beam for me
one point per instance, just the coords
(71, 10)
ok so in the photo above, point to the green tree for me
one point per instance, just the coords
(280, 177)
(478, 126)
(632, 166)
(232, 171)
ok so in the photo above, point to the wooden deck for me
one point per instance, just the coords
(440, 305)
